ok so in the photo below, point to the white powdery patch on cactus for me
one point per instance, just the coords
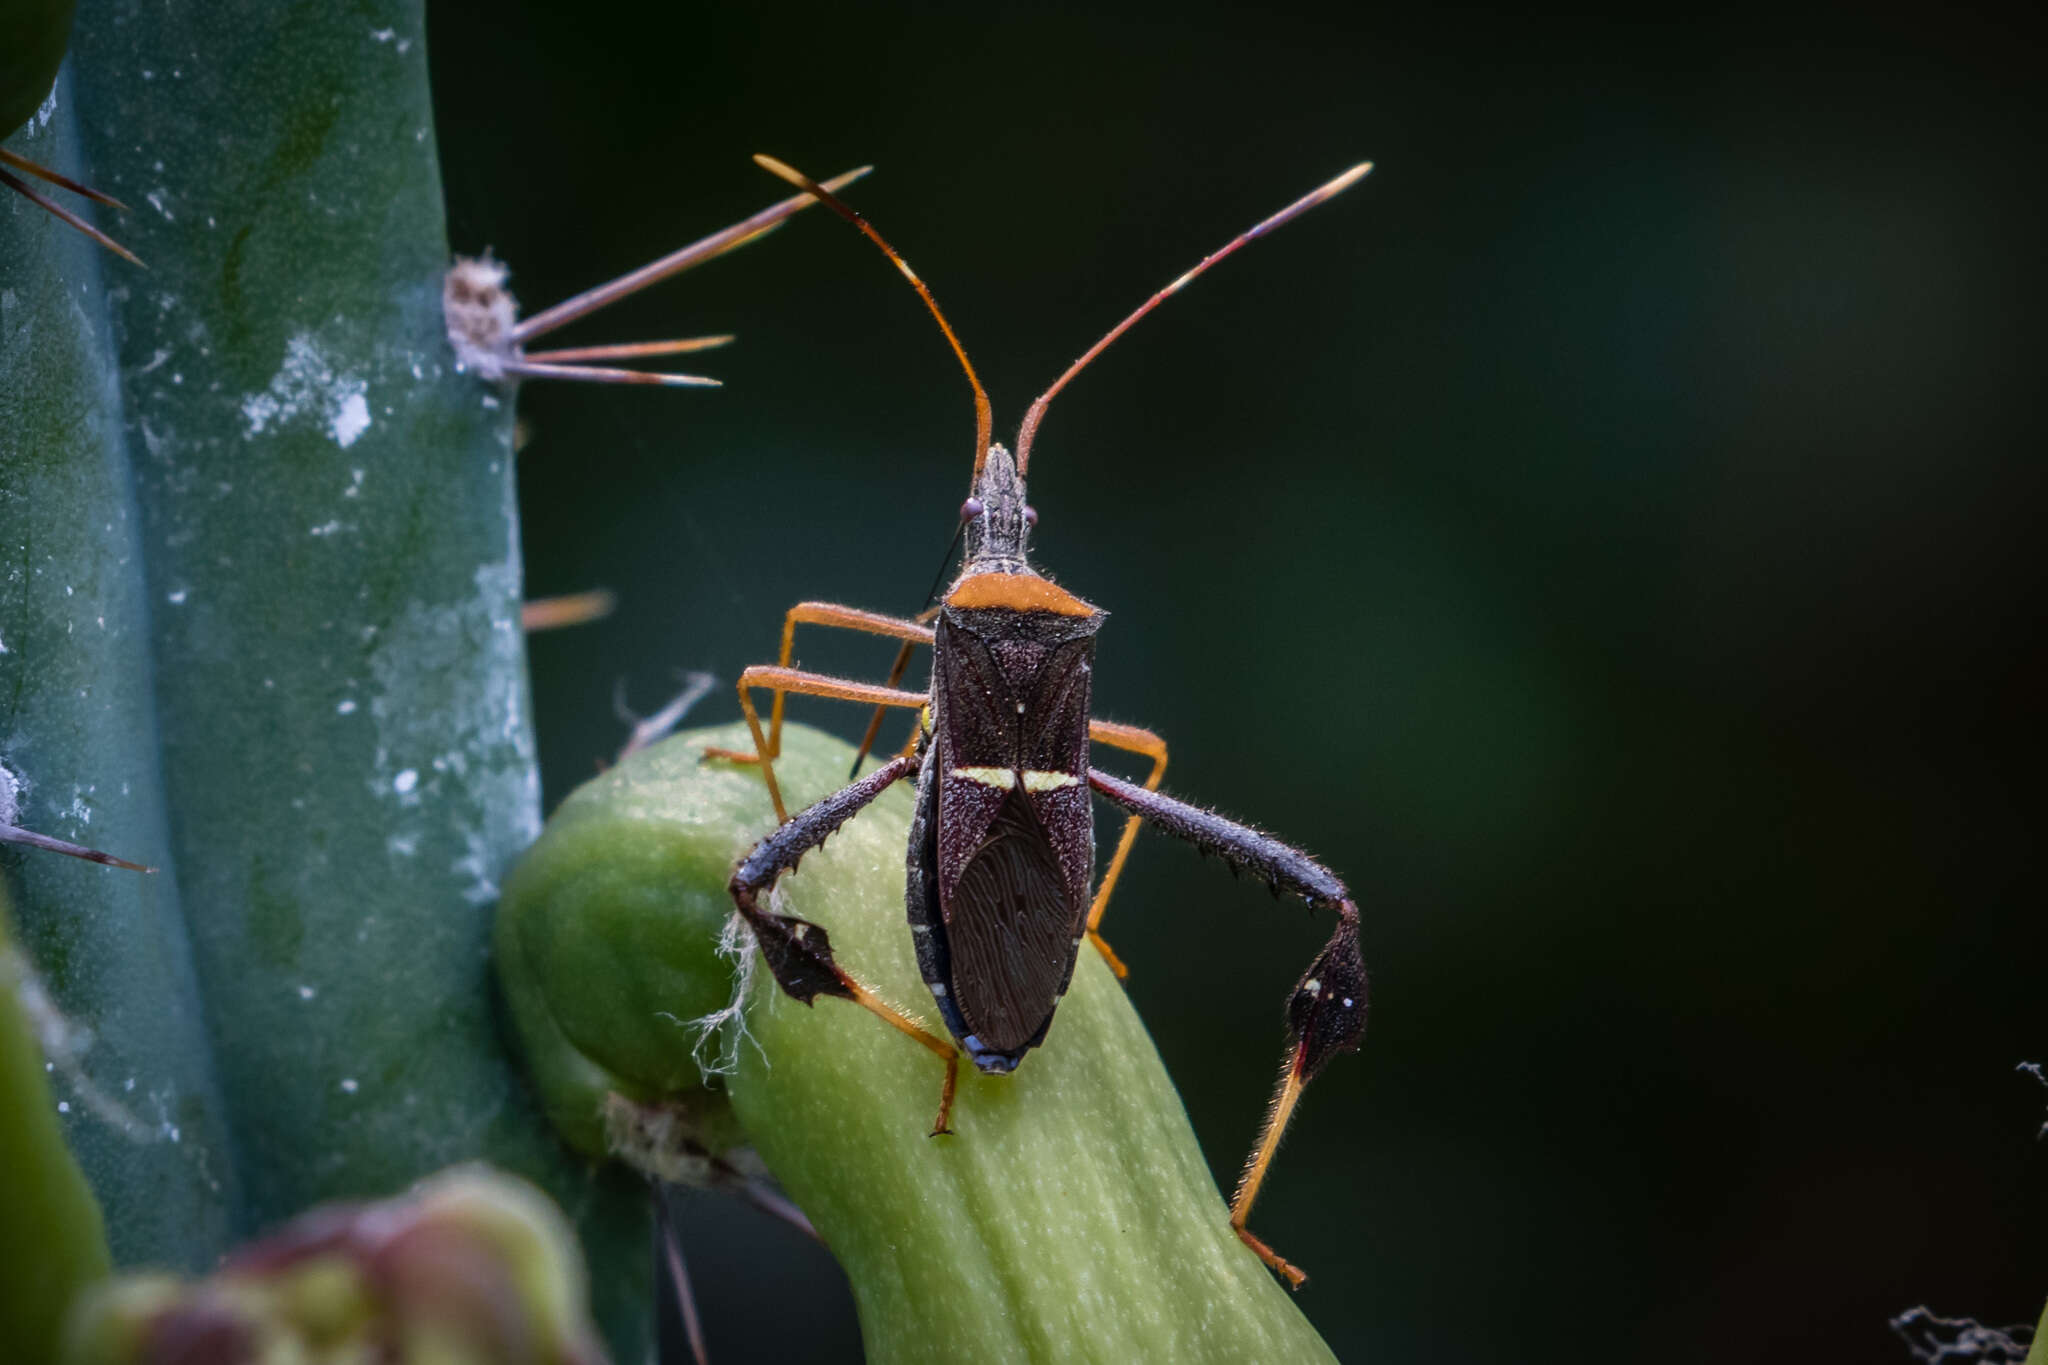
(454, 752)
(476, 863)
(308, 386)
(351, 420)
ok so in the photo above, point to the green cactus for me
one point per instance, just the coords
(52, 1240)
(259, 627)
(1070, 1217)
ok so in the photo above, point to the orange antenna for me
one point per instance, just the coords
(1293, 210)
(984, 420)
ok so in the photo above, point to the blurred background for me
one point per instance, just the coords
(1605, 536)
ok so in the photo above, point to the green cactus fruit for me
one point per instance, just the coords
(1069, 1217)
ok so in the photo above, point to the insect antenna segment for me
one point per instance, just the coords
(984, 419)
(1036, 413)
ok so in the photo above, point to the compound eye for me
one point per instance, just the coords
(1031, 516)
(971, 509)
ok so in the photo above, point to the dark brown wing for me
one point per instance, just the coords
(1010, 937)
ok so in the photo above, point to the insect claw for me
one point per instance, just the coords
(1116, 964)
(1280, 1266)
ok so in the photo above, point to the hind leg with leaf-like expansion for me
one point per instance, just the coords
(798, 952)
(1326, 1012)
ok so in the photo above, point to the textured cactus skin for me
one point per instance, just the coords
(262, 630)
(78, 722)
(1071, 1217)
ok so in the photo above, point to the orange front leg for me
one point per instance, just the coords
(783, 680)
(823, 614)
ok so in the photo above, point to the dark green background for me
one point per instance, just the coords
(1604, 535)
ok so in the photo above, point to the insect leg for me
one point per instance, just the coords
(867, 739)
(924, 618)
(1325, 1012)
(847, 618)
(798, 952)
(810, 685)
(1138, 741)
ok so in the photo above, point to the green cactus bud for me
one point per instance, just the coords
(1069, 1217)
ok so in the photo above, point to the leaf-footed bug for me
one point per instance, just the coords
(1002, 844)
